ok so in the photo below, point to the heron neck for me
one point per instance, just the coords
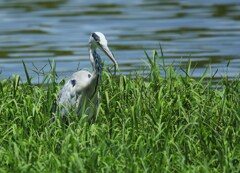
(96, 62)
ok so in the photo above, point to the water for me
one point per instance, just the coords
(36, 31)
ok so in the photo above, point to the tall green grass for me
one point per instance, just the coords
(162, 122)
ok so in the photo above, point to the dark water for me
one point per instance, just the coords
(207, 32)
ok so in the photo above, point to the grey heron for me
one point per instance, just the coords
(80, 93)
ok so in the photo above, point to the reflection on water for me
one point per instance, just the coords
(207, 32)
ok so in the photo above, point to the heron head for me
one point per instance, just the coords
(97, 39)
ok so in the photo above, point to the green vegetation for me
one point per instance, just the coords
(163, 122)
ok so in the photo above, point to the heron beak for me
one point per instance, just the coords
(110, 55)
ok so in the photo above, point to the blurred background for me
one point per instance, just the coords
(206, 32)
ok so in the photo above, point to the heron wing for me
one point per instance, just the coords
(72, 93)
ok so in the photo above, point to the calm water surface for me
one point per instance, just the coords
(207, 32)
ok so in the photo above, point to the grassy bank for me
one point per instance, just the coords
(162, 122)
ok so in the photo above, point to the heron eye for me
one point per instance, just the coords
(96, 37)
(89, 75)
(73, 82)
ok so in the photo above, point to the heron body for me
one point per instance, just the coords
(80, 93)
